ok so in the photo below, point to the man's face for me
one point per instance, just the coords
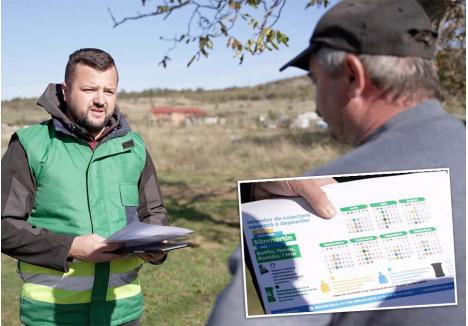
(91, 97)
(330, 99)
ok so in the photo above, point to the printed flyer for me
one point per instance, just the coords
(390, 246)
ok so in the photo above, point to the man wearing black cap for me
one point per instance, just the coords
(377, 89)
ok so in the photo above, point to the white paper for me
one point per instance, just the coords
(141, 233)
(390, 246)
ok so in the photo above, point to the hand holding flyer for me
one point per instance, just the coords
(390, 245)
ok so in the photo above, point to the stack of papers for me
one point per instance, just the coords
(141, 235)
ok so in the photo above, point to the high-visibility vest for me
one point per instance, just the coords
(80, 191)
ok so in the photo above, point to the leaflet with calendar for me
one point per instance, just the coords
(390, 246)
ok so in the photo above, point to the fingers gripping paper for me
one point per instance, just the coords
(390, 246)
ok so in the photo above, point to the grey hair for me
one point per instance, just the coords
(396, 77)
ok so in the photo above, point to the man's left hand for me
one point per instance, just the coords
(154, 257)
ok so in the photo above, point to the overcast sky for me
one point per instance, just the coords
(38, 36)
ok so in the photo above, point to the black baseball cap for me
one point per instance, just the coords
(386, 27)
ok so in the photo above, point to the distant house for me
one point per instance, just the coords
(177, 116)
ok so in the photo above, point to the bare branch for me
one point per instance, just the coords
(270, 11)
(161, 10)
(112, 15)
(278, 15)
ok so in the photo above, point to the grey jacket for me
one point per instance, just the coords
(420, 138)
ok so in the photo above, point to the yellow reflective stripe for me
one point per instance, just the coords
(125, 291)
(78, 268)
(52, 295)
(126, 264)
(59, 296)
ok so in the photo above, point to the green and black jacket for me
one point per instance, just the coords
(56, 187)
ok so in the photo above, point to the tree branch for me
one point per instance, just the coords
(167, 10)
(217, 19)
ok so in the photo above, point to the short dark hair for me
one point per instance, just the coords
(91, 57)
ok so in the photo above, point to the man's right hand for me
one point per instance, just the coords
(92, 248)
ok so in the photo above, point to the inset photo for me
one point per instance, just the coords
(347, 243)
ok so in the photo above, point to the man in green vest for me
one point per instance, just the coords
(67, 184)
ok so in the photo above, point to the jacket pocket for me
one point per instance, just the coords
(129, 199)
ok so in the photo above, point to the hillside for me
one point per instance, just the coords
(240, 105)
(283, 97)
(296, 88)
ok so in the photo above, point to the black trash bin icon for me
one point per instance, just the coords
(439, 272)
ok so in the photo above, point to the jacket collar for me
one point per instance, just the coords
(422, 111)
